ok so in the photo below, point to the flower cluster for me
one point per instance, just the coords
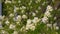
(27, 17)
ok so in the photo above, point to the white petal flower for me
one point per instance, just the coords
(22, 11)
(47, 13)
(49, 25)
(37, 11)
(7, 1)
(19, 1)
(29, 21)
(33, 14)
(43, 3)
(18, 18)
(7, 22)
(1, 17)
(24, 16)
(32, 28)
(55, 24)
(12, 26)
(28, 26)
(23, 7)
(3, 31)
(18, 23)
(55, 18)
(15, 32)
(11, 15)
(16, 8)
(57, 28)
(37, 1)
(49, 8)
(35, 20)
(44, 19)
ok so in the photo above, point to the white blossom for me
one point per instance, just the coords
(18, 18)
(54, 18)
(19, 1)
(12, 26)
(18, 23)
(55, 24)
(49, 25)
(16, 8)
(43, 3)
(47, 13)
(15, 32)
(32, 27)
(37, 1)
(37, 11)
(57, 28)
(24, 16)
(7, 22)
(30, 2)
(7, 1)
(29, 21)
(11, 15)
(49, 8)
(23, 28)
(22, 11)
(44, 19)
(1, 17)
(33, 14)
(23, 7)
(35, 20)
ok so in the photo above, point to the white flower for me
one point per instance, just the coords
(55, 24)
(18, 18)
(28, 26)
(24, 16)
(49, 8)
(16, 8)
(37, 1)
(29, 21)
(33, 14)
(44, 19)
(54, 18)
(35, 20)
(3, 31)
(15, 32)
(37, 11)
(32, 28)
(19, 1)
(23, 7)
(49, 25)
(23, 28)
(57, 27)
(39, 8)
(7, 22)
(22, 11)
(47, 13)
(7, 1)
(30, 2)
(12, 26)
(1, 17)
(43, 3)
(18, 23)
(11, 15)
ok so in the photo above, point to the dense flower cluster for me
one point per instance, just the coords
(27, 17)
